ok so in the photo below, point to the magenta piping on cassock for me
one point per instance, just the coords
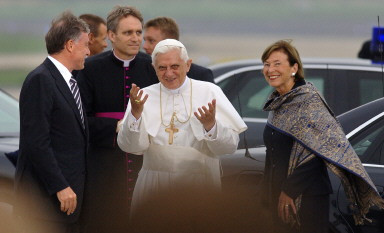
(115, 115)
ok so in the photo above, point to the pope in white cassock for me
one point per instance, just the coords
(180, 125)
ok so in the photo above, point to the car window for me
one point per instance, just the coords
(369, 143)
(9, 115)
(358, 88)
(343, 89)
(370, 89)
(318, 82)
(254, 96)
(250, 89)
(370, 85)
(322, 81)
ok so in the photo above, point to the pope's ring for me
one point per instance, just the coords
(137, 101)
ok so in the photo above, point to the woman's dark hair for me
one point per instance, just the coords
(292, 53)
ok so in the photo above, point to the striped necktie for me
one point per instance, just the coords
(76, 95)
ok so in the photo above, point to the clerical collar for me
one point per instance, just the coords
(180, 89)
(125, 62)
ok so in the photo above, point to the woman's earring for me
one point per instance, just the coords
(293, 74)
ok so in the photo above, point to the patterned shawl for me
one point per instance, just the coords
(304, 115)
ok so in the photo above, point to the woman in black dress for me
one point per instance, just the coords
(302, 138)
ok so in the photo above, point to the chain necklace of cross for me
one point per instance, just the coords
(171, 129)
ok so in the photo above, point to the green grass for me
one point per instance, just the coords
(21, 44)
(11, 77)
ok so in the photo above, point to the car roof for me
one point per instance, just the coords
(359, 116)
(307, 64)
(222, 68)
(318, 60)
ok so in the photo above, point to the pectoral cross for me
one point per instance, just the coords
(171, 130)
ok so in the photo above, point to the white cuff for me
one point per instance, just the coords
(211, 134)
(133, 123)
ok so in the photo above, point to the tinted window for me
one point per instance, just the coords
(370, 88)
(251, 90)
(318, 82)
(342, 89)
(9, 115)
(324, 83)
(357, 88)
(368, 144)
(319, 78)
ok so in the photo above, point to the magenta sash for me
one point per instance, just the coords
(115, 115)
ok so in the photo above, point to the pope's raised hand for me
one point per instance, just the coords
(137, 101)
(207, 116)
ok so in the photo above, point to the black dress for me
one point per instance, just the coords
(310, 179)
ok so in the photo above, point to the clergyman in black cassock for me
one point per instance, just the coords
(105, 84)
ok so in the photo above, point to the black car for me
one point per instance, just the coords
(364, 127)
(345, 84)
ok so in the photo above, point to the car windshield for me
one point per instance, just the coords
(9, 115)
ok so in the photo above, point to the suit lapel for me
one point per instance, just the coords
(62, 86)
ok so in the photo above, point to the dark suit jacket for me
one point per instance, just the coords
(200, 73)
(53, 146)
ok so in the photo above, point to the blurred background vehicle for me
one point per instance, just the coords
(9, 142)
(344, 83)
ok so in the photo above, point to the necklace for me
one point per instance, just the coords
(174, 116)
(170, 128)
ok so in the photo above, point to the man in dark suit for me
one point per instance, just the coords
(161, 28)
(50, 173)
